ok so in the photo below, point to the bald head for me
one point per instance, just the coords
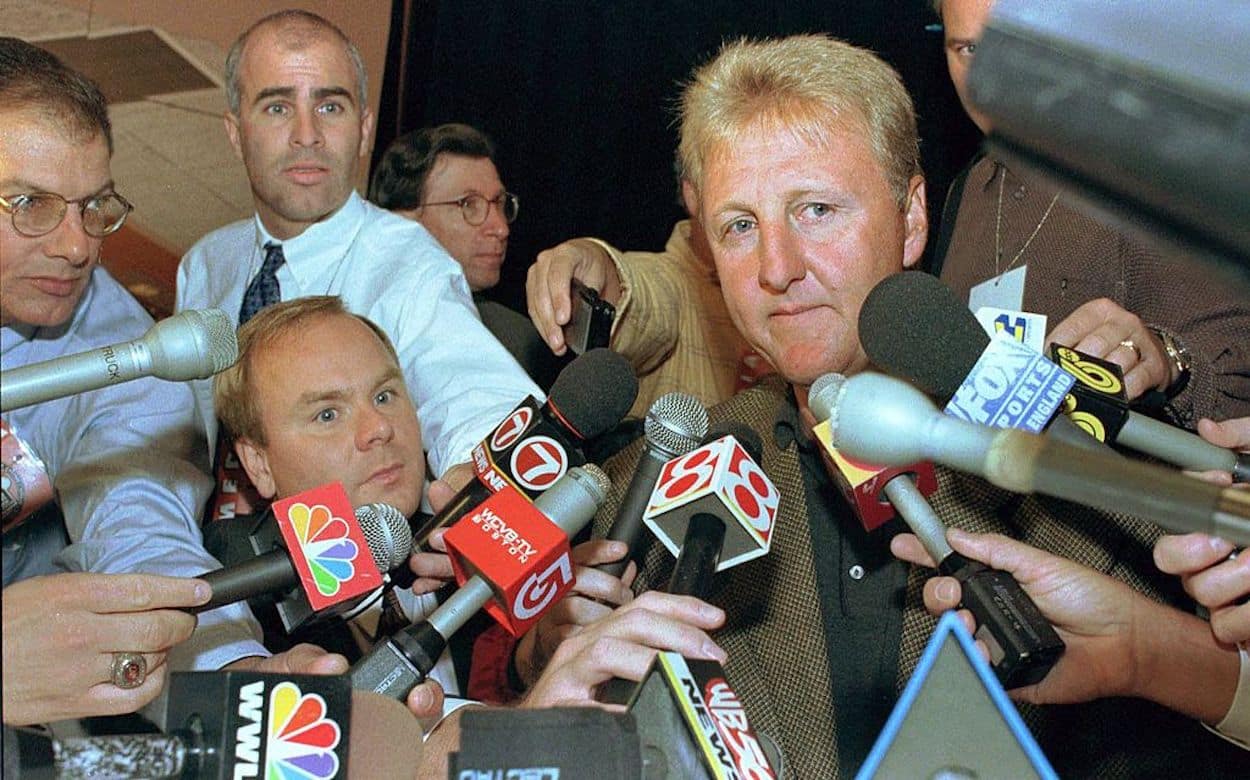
(293, 30)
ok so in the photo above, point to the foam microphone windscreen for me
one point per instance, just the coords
(914, 327)
(594, 392)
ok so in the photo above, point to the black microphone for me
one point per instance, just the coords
(674, 425)
(395, 666)
(704, 537)
(1022, 643)
(535, 445)
(386, 533)
(914, 327)
(885, 420)
(194, 344)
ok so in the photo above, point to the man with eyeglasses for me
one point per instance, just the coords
(93, 580)
(298, 119)
(445, 178)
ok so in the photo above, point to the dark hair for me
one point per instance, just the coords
(399, 180)
(31, 78)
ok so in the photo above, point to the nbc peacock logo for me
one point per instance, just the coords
(324, 540)
(301, 740)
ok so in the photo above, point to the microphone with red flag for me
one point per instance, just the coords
(317, 555)
(1023, 645)
(511, 556)
(537, 443)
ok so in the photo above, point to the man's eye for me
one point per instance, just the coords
(738, 227)
(818, 210)
(384, 397)
(330, 108)
(966, 49)
(327, 415)
(276, 109)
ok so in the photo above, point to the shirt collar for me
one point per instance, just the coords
(328, 239)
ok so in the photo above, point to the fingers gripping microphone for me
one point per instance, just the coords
(910, 318)
(885, 420)
(675, 424)
(1023, 645)
(536, 444)
(519, 590)
(193, 344)
(317, 556)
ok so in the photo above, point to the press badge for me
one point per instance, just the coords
(1001, 292)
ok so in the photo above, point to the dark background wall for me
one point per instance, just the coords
(579, 98)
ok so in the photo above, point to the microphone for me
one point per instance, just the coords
(309, 553)
(1023, 645)
(224, 724)
(674, 425)
(885, 420)
(718, 501)
(535, 445)
(395, 666)
(194, 344)
(909, 318)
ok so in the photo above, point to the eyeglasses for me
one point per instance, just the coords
(476, 208)
(38, 213)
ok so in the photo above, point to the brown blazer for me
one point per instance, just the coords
(778, 656)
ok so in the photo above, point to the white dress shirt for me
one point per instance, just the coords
(391, 270)
(121, 459)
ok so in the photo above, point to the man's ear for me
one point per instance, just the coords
(915, 221)
(232, 132)
(366, 130)
(690, 198)
(256, 463)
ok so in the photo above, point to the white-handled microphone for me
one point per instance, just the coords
(194, 344)
(885, 420)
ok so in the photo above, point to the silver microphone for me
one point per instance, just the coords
(194, 344)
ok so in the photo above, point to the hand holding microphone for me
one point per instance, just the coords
(1119, 643)
(194, 344)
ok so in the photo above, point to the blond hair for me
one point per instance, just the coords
(804, 84)
(234, 397)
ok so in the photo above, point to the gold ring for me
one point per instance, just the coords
(1136, 349)
(129, 670)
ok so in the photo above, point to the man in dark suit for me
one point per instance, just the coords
(800, 158)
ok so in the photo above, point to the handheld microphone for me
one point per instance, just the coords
(674, 425)
(194, 344)
(397, 665)
(1022, 643)
(316, 555)
(909, 318)
(224, 724)
(722, 486)
(885, 420)
(535, 445)
(913, 326)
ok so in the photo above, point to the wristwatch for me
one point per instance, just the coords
(1179, 355)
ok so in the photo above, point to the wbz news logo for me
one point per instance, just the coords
(300, 740)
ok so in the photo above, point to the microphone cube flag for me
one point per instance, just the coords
(518, 551)
(720, 479)
(327, 547)
(1097, 402)
(861, 483)
(1011, 386)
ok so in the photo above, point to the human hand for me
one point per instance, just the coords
(623, 644)
(1214, 577)
(594, 595)
(300, 659)
(1095, 615)
(433, 569)
(62, 631)
(549, 281)
(1231, 434)
(1100, 328)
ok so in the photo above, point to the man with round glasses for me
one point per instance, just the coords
(120, 541)
(445, 178)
